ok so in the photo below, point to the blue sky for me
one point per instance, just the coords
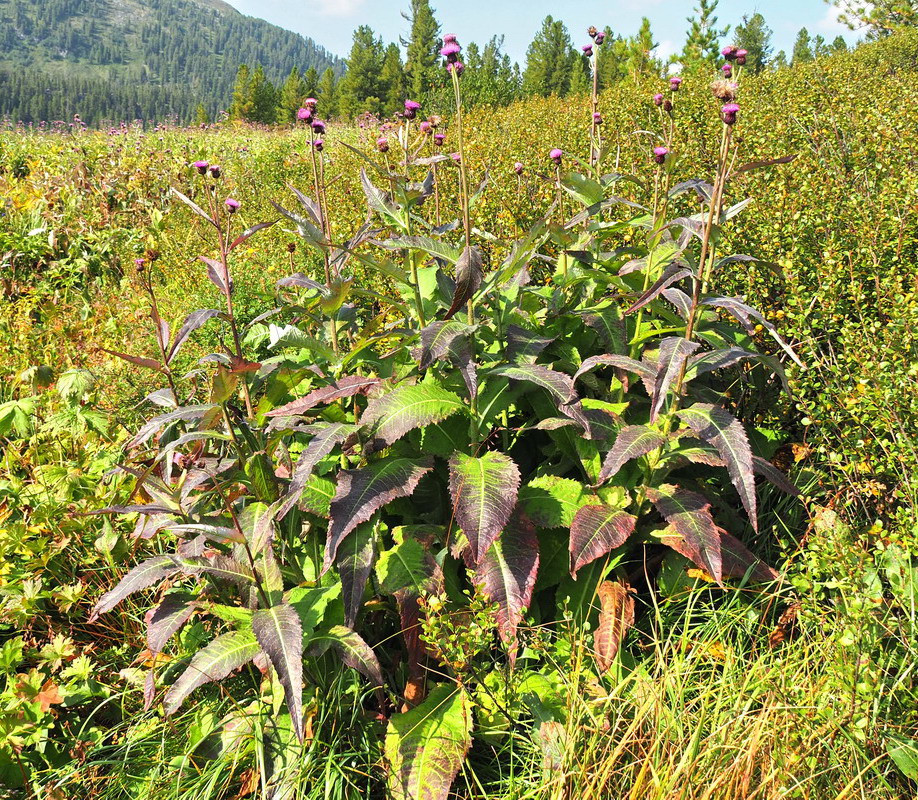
(331, 22)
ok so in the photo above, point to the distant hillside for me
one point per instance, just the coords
(109, 60)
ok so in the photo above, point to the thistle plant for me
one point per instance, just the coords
(435, 470)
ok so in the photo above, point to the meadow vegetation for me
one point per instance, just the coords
(566, 456)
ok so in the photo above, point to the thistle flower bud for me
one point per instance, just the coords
(556, 155)
(140, 263)
(457, 157)
(411, 109)
(728, 113)
(201, 167)
(232, 205)
(592, 32)
(730, 52)
(425, 127)
(723, 90)
(658, 99)
(319, 145)
(451, 52)
(597, 118)
(659, 154)
(439, 138)
(674, 83)
(215, 171)
(727, 70)
(458, 67)
(311, 103)
(450, 38)
(304, 115)
(600, 37)
(587, 49)
(741, 57)
(318, 126)
(667, 105)
(382, 144)
(518, 167)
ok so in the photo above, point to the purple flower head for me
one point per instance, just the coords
(439, 138)
(459, 67)
(304, 115)
(556, 155)
(658, 99)
(587, 49)
(450, 52)
(411, 109)
(597, 118)
(449, 38)
(518, 167)
(311, 103)
(140, 263)
(741, 57)
(215, 171)
(318, 144)
(201, 166)
(457, 157)
(727, 70)
(600, 37)
(728, 113)
(730, 52)
(674, 83)
(318, 125)
(232, 205)
(425, 126)
(659, 154)
(382, 144)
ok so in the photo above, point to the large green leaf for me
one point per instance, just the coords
(595, 531)
(719, 427)
(222, 656)
(280, 633)
(689, 514)
(552, 502)
(354, 651)
(484, 491)
(407, 566)
(362, 492)
(391, 416)
(425, 747)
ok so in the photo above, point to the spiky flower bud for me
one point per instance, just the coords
(659, 154)
(232, 205)
(201, 167)
(411, 109)
(728, 113)
(674, 83)
(556, 155)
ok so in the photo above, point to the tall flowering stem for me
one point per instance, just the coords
(463, 176)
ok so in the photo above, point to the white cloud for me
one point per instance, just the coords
(665, 49)
(337, 8)
(830, 25)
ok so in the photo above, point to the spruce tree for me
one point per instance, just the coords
(640, 61)
(702, 43)
(754, 36)
(393, 80)
(803, 51)
(549, 61)
(264, 98)
(422, 49)
(327, 94)
(361, 88)
(292, 94)
(243, 104)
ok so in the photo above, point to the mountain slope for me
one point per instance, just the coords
(121, 59)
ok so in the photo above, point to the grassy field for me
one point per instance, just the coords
(802, 686)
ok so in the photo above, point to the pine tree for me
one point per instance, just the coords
(839, 45)
(779, 61)
(422, 49)
(292, 94)
(702, 43)
(310, 82)
(393, 80)
(549, 61)
(803, 51)
(243, 104)
(201, 117)
(264, 98)
(640, 61)
(580, 76)
(361, 87)
(327, 94)
(612, 58)
(754, 36)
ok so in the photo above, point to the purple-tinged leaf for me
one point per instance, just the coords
(736, 558)
(308, 203)
(437, 340)
(249, 233)
(719, 427)
(362, 492)
(308, 232)
(674, 350)
(149, 509)
(775, 476)
(595, 531)
(557, 384)
(680, 300)
(162, 397)
(301, 281)
(507, 575)
(354, 562)
(192, 322)
(703, 190)
(223, 655)
(194, 206)
(149, 690)
(354, 651)
(388, 418)
(689, 514)
(484, 491)
(615, 618)
(633, 441)
(280, 633)
(672, 274)
(438, 249)
(218, 274)
(140, 361)
(220, 566)
(426, 746)
(771, 162)
(522, 343)
(609, 326)
(143, 576)
(619, 362)
(469, 271)
(744, 314)
(690, 225)
(319, 446)
(380, 202)
(167, 618)
(187, 414)
(718, 359)
(346, 387)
